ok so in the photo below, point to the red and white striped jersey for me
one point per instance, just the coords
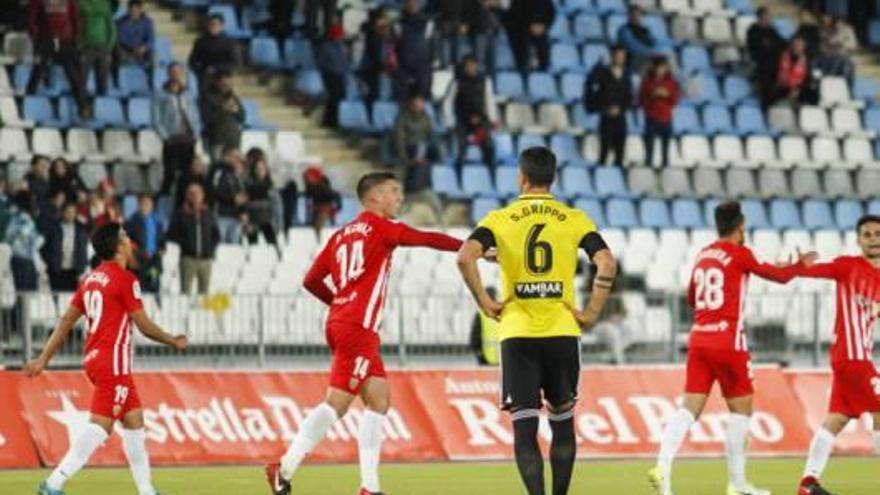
(107, 296)
(357, 258)
(858, 305)
(717, 293)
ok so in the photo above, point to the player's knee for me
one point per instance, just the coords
(835, 423)
(557, 411)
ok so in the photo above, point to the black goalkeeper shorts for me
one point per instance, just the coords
(533, 369)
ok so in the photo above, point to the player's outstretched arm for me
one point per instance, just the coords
(606, 267)
(470, 252)
(36, 366)
(155, 333)
(785, 273)
(314, 281)
(435, 240)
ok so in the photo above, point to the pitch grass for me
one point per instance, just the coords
(846, 476)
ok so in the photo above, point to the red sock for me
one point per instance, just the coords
(809, 480)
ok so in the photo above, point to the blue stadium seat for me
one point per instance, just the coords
(503, 55)
(583, 120)
(685, 120)
(872, 119)
(445, 182)
(593, 208)
(529, 141)
(635, 122)
(560, 30)
(716, 120)
(750, 120)
(20, 75)
(873, 207)
(253, 117)
(695, 58)
(353, 116)
(756, 214)
(472, 154)
(309, 81)
(609, 182)
(785, 26)
(263, 52)
(510, 85)
(572, 87)
(588, 28)
(505, 152)
(475, 181)
(384, 115)
(874, 33)
(542, 87)
(139, 113)
(133, 81)
(299, 54)
(621, 213)
(611, 6)
(706, 89)
(595, 53)
(654, 213)
(784, 214)
(108, 112)
(576, 6)
(575, 182)
(657, 25)
(162, 51)
(481, 207)
(129, 205)
(686, 213)
(864, 89)
(846, 213)
(57, 81)
(349, 210)
(736, 89)
(564, 57)
(506, 181)
(743, 7)
(566, 148)
(39, 109)
(818, 215)
(233, 28)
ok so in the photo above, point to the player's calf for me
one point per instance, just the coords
(277, 483)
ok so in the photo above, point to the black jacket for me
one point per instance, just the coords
(524, 13)
(213, 52)
(69, 184)
(765, 45)
(415, 42)
(227, 185)
(221, 125)
(80, 247)
(197, 235)
(602, 90)
(470, 98)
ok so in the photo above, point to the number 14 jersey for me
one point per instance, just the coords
(717, 293)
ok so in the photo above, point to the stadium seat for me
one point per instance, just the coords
(718, 29)
(873, 207)
(784, 214)
(9, 114)
(848, 122)
(825, 151)
(818, 215)
(384, 115)
(785, 26)
(476, 182)
(621, 213)
(139, 113)
(707, 182)
(773, 183)
(572, 87)
(584, 120)
(588, 27)
(542, 87)
(253, 117)
(750, 120)
(867, 182)
(309, 82)
(13, 144)
(526, 141)
(716, 120)
(874, 33)
(813, 120)
(685, 120)
(728, 150)
(609, 182)
(290, 147)
(445, 182)
(834, 91)
(149, 145)
(263, 52)
(353, 116)
(760, 150)
(553, 117)
(560, 30)
(694, 150)
(864, 89)
(643, 182)
(299, 54)
(736, 89)
(740, 183)
(480, 207)
(686, 28)
(846, 213)
(606, 7)
(232, 27)
(506, 181)
(806, 184)
(675, 182)
(594, 53)
(83, 144)
(117, 144)
(133, 81)
(256, 139)
(505, 153)
(566, 148)
(509, 86)
(703, 88)
(503, 55)
(782, 118)
(47, 142)
(793, 151)
(594, 209)
(576, 182)
(564, 57)
(695, 59)
(686, 213)
(18, 46)
(839, 184)
(108, 113)
(519, 117)
(756, 214)
(39, 110)
(654, 213)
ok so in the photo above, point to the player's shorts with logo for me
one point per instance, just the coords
(356, 356)
(855, 388)
(115, 395)
(731, 369)
(533, 369)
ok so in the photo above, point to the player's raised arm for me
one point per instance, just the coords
(606, 266)
(155, 333)
(472, 250)
(59, 335)
(436, 240)
(314, 280)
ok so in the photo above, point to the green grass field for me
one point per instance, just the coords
(849, 476)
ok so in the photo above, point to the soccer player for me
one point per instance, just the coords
(536, 240)
(855, 388)
(357, 260)
(718, 349)
(110, 298)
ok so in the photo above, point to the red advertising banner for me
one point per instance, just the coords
(250, 417)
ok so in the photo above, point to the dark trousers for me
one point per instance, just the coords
(522, 41)
(335, 84)
(176, 158)
(487, 147)
(64, 280)
(289, 199)
(24, 274)
(612, 138)
(65, 54)
(413, 80)
(100, 60)
(326, 8)
(653, 130)
(266, 229)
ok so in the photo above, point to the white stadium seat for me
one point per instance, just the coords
(813, 120)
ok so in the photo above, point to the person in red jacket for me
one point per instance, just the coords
(54, 26)
(658, 96)
(793, 76)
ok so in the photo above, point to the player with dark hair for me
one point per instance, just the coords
(718, 350)
(536, 240)
(855, 388)
(110, 299)
(357, 261)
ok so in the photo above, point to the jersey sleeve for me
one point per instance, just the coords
(486, 231)
(131, 295)
(400, 234)
(750, 264)
(588, 236)
(832, 270)
(77, 300)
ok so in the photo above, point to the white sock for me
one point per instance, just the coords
(877, 442)
(737, 436)
(673, 436)
(369, 448)
(133, 442)
(313, 429)
(820, 451)
(92, 437)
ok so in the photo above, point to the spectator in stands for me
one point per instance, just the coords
(230, 196)
(223, 115)
(332, 60)
(483, 26)
(837, 44)
(280, 22)
(452, 26)
(528, 24)
(213, 52)
(177, 120)
(638, 41)
(475, 111)
(380, 54)
(136, 36)
(613, 331)
(416, 147)
(64, 179)
(25, 240)
(325, 201)
(194, 229)
(415, 52)
(658, 96)
(608, 90)
(100, 206)
(147, 230)
(327, 11)
(809, 31)
(67, 246)
(98, 38)
(793, 79)
(765, 45)
(48, 216)
(37, 180)
(195, 173)
(4, 206)
(54, 28)
(261, 200)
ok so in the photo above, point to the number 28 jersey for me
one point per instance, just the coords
(107, 296)
(717, 293)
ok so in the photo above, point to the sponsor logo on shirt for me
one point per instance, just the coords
(539, 290)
